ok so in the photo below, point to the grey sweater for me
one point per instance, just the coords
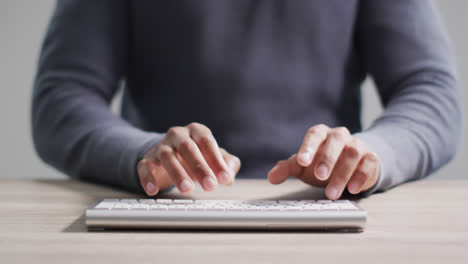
(257, 73)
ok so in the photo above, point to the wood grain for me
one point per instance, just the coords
(42, 221)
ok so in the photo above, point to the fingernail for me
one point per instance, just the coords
(209, 183)
(185, 186)
(223, 177)
(150, 188)
(332, 193)
(321, 171)
(305, 158)
(353, 187)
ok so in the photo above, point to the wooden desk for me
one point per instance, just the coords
(42, 221)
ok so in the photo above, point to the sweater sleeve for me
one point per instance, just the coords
(405, 49)
(81, 64)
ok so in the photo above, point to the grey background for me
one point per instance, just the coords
(22, 25)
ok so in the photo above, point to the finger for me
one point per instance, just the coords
(308, 176)
(168, 159)
(284, 169)
(329, 152)
(186, 166)
(365, 170)
(232, 162)
(148, 183)
(188, 149)
(279, 173)
(311, 143)
(372, 180)
(362, 172)
(343, 170)
(210, 151)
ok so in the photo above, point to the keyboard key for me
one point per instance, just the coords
(346, 207)
(120, 207)
(138, 207)
(129, 201)
(329, 207)
(292, 208)
(164, 201)
(311, 207)
(235, 208)
(342, 201)
(104, 205)
(157, 207)
(147, 201)
(196, 208)
(177, 208)
(288, 202)
(260, 202)
(182, 201)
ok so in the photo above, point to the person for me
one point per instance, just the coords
(208, 84)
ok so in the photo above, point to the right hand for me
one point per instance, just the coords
(187, 155)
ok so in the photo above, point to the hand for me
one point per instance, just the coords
(186, 155)
(332, 158)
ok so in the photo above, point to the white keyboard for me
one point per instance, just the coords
(250, 214)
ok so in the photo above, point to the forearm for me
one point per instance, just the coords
(75, 132)
(419, 130)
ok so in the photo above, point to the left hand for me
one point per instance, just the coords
(330, 157)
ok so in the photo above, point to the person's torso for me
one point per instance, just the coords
(257, 73)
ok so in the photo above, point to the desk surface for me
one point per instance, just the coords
(42, 221)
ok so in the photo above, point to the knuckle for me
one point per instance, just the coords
(199, 169)
(363, 170)
(174, 131)
(335, 136)
(356, 142)
(318, 129)
(339, 133)
(322, 127)
(199, 127)
(204, 140)
(193, 125)
(361, 173)
(165, 152)
(312, 130)
(198, 166)
(352, 151)
(185, 145)
(342, 131)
